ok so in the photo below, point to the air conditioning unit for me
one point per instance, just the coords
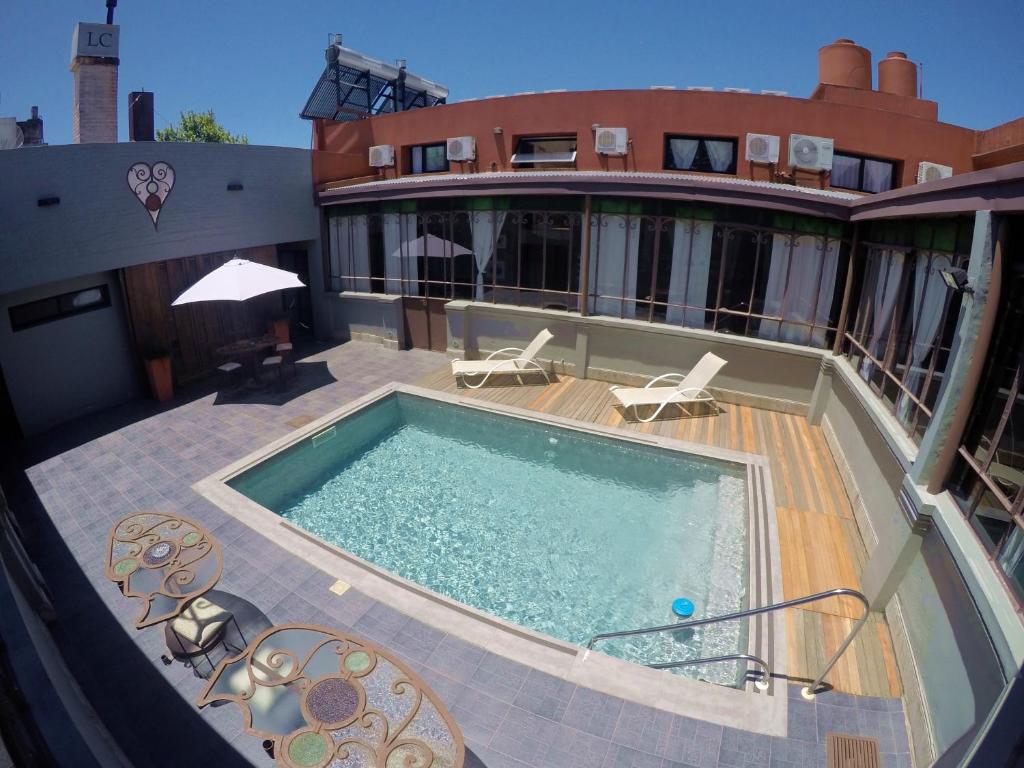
(932, 172)
(762, 148)
(462, 148)
(11, 136)
(813, 152)
(382, 156)
(611, 141)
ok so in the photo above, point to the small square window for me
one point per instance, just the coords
(862, 174)
(55, 307)
(545, 152)
(428, 158)
(700, 153)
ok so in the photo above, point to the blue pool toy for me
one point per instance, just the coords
(682, 608)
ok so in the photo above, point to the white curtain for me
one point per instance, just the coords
(719, 153)
(1011, 559)
(889, 270)
(801, 282)
(929, 300)
(486, 227)
(877, 176)
(399, 233)
(614, 248)
(350, 252)
(688, 280)
(683, 152)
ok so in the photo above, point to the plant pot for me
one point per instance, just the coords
(158, 370)
(279, 328)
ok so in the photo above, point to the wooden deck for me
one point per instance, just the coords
(820, 545)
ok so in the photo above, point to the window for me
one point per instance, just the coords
(428, 158)
(700, 153)
(863, 174)
(905, 316)
(55, 307)
(545, 152)
(988, 478)
(710, 268)
(736, 270)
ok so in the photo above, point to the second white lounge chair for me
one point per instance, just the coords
(691, 389)
(524, 362)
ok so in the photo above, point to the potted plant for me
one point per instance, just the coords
(157, 360)
(277, 326)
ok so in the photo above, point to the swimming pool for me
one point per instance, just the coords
(565, 532)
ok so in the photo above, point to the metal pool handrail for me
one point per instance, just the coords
(765, 671)
(809, 691)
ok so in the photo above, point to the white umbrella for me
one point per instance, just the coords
(431, 246)
(239, 280)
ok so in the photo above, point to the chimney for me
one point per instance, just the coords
(846, 64)
(898, 75)
(94, 61)
(32, 129)
(140, 116)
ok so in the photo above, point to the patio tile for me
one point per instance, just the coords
(575, 749)
(416, 640)
(478, 714)
(643, 728)
(593, 712)
(525, 736)
(545, 695)
(500, 677)
(456, 658)
(625, 757)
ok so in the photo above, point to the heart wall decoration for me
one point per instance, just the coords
(151, 185)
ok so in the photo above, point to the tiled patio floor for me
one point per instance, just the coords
(82, 478)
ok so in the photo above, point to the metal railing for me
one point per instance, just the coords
(810, 690)
(761, 682)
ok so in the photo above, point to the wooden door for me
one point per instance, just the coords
(425, 324)
(438, 324)
(417, 322)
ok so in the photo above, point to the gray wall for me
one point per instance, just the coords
(101, 225)
(365, 317)
(71, 366)
(82, 363)
(781, 376)
(949, 668)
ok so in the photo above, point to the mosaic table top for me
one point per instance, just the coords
(326, 698)
(164, 559)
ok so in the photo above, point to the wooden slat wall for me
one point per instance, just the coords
(193, 331)
(820, 545)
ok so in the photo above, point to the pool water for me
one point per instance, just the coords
(565, 532)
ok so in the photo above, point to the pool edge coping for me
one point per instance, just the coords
(740, 708)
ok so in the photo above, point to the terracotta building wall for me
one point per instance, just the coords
(650, 115)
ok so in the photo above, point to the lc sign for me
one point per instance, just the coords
(95, 40)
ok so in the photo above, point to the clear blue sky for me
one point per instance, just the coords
(254, 62)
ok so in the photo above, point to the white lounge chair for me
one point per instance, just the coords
(691, 389)
(523, 363)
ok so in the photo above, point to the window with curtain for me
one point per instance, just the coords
(988, 478)
(700, 153)
(729, 269)
(428, 158)
(904, 318)
(863, 174)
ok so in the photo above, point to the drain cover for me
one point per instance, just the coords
(299, 421)
(852, 752)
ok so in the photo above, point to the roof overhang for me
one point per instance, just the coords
(665, 186)
(998, 189)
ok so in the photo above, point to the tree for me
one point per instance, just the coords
(200, 127)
